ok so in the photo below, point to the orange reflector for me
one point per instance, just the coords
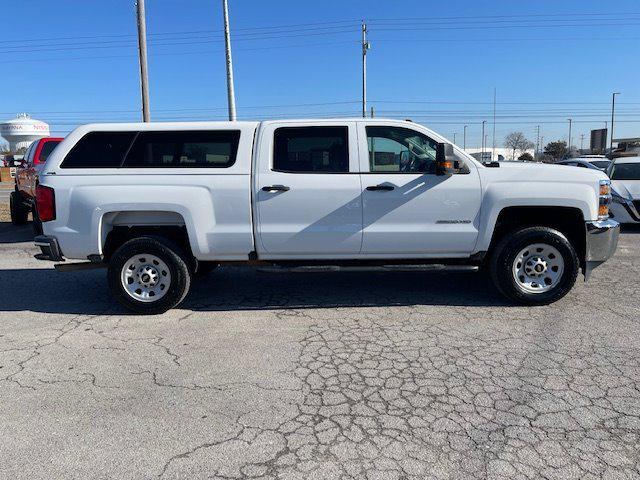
(447, 165)
(603, 211)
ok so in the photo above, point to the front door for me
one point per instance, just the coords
(308, 192)
(408, 210)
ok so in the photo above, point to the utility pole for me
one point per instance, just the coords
(581, 141)
(231, 96)
(365, 46)
(373, 112)
(464, 138)
(454, 137)
(493, 154)
(569, 142)
(537, 141)
(482, 154)
(613, 110)
(142, 52)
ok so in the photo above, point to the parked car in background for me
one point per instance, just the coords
(594, 162)
(156, 202)
(23, 198)
(625, 182)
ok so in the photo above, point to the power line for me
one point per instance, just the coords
(181, 53)
(132, 35)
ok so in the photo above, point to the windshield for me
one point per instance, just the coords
(625, 171)
(600, 163)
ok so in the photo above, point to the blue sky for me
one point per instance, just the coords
(69, 62)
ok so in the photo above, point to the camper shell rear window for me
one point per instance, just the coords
(155, 149)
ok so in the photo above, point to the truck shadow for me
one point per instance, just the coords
(10, 233)
(241, 288)
(630, 228)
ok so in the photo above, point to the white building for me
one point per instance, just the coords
(23, 130)
(501, 154)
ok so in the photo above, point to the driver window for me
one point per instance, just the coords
(400, 150)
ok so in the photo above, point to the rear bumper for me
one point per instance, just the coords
(601, 243)
(49, 247)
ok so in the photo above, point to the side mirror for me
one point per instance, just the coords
(445, 159)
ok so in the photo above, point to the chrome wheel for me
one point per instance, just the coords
(538, 268)
(145, 278)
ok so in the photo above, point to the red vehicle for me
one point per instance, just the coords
(23, 199)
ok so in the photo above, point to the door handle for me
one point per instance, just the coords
(384, 188)
(275, 188)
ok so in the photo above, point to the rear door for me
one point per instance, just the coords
(408, 210)
(307, 190)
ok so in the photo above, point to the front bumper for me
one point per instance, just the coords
(49, 247)
(601, 242)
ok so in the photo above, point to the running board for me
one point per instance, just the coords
(70, 267)
(364, 268)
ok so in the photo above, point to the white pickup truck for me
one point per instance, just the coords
(159, 203)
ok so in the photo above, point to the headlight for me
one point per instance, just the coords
(604, 199)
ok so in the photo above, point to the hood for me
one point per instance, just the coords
(516, 171)
(627, 188)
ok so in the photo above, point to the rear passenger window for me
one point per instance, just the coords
(99, 150)
(311, 150)
(186, 149)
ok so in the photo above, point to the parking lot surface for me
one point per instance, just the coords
(318, 375)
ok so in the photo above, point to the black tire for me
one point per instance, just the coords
(167, 252)
(504, 257)
(19, 214)
(37, 223)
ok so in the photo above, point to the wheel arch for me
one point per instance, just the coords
(117, 227)
(569, 221)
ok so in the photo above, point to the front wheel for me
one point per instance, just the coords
(534, 266)
(149, 275)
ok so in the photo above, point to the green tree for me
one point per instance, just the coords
(556, 150)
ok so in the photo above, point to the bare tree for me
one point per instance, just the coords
(517, 142)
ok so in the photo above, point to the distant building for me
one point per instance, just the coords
(502, 154)
(627, 146)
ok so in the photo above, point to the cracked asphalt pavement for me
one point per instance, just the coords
(318, 376)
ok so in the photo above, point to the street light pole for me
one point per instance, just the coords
(231, 97)
(454, 137)
(493, 154)
(464, 138)
(569, 142)
(613, 110)
(142, 53)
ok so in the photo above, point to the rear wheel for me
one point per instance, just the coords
(149, 275)
(534, 266)
(19, 214)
